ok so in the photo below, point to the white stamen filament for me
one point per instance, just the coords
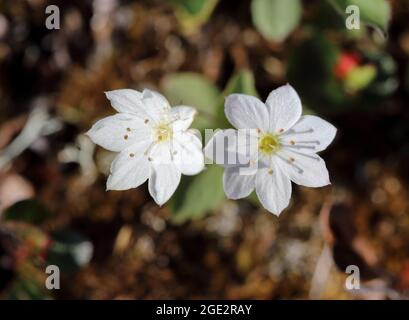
(291, 163)
(311, 156)
(311, 141)
(292, 131)
(297, 146)
(149, 149)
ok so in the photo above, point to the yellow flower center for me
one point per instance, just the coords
(268, 143)
(163, 132)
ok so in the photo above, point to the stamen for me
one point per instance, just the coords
(148, 150)
(298, 146)
(126, 137)
(311, 141)
(299, 169)
(132, 155)
(146, 121)
(128, 129)
(311, 156)
(270, 172)
(292, 131)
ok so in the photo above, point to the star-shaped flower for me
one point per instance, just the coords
(286, 146)
(153, 142)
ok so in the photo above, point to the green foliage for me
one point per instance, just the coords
(69, 251)
(202, 193)
(195, 90)
(311, 70)
(241, 82)
(30, 211)
(360, 78)
(276, 19)
(386, 81)
(193, 13)
(198, 195)
(376, 13)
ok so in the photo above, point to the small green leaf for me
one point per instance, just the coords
(69, 251)
(194, 90)
(276, 19)
(359, 78)
(241, 82)
(376, 13)
(198, 195)
(193, 13)
(28, 211)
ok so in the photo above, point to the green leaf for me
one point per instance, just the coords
(198, 195)
(30, 211)
(360, 78)
(194, 90)
(70, 251)
(376, 13)
(193, 13)
(311, 71)
(276, 19)
(241, 82)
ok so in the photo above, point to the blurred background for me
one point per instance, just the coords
(119, 245)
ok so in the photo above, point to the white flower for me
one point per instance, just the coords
(286, 147)
(153, 142)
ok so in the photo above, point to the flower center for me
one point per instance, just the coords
(268, 143)
(163, 132)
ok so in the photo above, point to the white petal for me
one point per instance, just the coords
(246, 112)
(284, 107)
(126, 101)
(156, 105)
(117, 132)
(163, 181)
(273, 189)
(187, 153)
(160, 153)
(129, 169)
(304, 169)
(237, 185)
(311, 132)
(232, 147)
(182, 117)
